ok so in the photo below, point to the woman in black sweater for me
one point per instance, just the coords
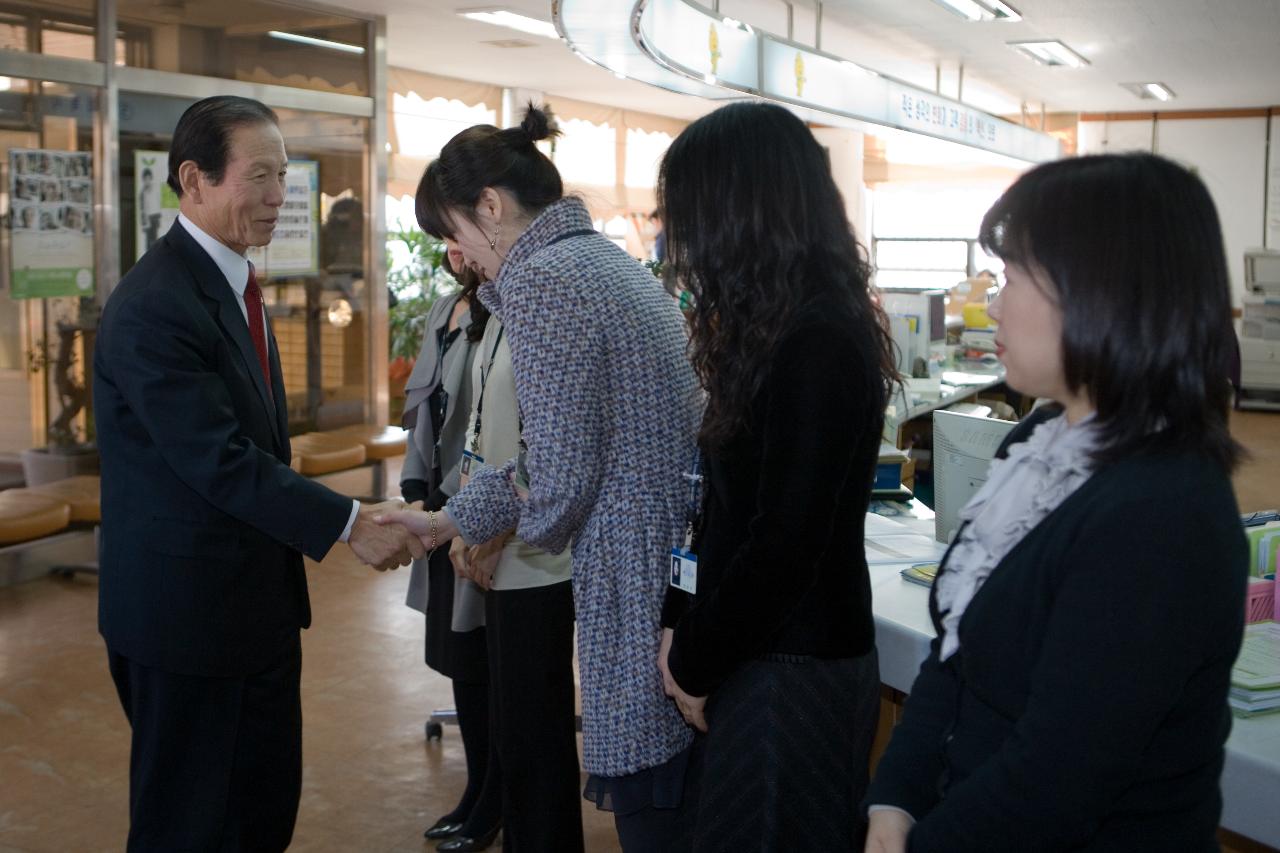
(773, 648)
(1091, 605)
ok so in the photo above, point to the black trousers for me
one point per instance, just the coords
(532, 709)
(215, 763)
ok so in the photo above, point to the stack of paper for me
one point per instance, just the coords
(1255, 678)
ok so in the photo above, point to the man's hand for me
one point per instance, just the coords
(887, 831)
(692, 708)
(383, 546)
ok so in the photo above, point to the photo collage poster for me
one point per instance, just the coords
(156, 206)
(51, 219)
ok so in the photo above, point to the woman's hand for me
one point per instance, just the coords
(478, 564)
(887, 831)
(692, 708)
(421, 524)
(458, 556)
(481, 564)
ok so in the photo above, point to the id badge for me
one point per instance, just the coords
(520, 477)
(684, 570)
(471, 462)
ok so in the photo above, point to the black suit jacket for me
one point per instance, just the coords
(203, 522)
(1086, 708)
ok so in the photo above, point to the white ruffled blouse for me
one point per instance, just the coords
(1032, 481)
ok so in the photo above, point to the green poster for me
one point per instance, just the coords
(51, 221)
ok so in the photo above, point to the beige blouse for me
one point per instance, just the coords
(521, 565)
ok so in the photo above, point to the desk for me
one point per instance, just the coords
(957, 385)
(1250, 776)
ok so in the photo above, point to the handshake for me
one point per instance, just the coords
(392, 534)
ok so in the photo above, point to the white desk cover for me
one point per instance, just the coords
(1250, 776)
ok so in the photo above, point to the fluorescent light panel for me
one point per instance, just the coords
(981, 10)
(512, 21)
(1150, 91)
(1049, 53)
(315, 42)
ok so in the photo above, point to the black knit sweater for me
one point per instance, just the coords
(780, 544)
(1086, 707)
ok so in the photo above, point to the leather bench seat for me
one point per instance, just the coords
(380, 442)
(25, 515)
(81, 493)
(323, 453)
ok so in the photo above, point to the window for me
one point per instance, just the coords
(587, 153)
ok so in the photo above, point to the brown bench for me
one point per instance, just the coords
(347, 448)
(50, 527)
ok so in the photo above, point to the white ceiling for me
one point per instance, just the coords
(1212, 53)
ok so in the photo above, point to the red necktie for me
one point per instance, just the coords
(253, 307)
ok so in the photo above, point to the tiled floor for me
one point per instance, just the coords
(371, 781)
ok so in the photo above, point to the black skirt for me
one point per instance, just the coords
(462, 656)
(784, 764)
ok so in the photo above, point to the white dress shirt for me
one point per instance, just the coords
(235, 268)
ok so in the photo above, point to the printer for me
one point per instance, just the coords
(1260, 331)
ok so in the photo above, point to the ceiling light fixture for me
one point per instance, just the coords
(981, 10)
(1150, 91)
(315, 42)
(1049, 53)
(512, 20)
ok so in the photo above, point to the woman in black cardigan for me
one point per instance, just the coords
(773, 648)
(1091, 606)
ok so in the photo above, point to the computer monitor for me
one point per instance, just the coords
(963, 447)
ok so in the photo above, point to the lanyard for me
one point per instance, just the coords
(693, 507)
(484, 379)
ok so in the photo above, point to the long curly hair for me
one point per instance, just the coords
(756, 230)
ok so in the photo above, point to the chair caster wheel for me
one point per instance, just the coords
(435, 731)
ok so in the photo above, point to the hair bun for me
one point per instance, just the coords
(539, 123)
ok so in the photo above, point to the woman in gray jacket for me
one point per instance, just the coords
(437, 409)
(609, 408)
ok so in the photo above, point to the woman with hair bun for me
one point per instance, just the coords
(609, 410)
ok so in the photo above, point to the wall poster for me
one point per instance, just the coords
(51, 219)
(295, 245)
(157, 203)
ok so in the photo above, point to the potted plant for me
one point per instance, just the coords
(68, 452)
(416, 277)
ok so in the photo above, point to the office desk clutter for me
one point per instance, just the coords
(1255, 678)
(1264, 549)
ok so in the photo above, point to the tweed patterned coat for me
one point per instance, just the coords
(611, 410)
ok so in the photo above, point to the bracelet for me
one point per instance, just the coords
(431, 518)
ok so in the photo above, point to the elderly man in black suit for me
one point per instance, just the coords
(204, 524)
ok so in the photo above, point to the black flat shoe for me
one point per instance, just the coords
(463, 844)
(443, 828)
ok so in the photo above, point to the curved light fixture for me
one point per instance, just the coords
(683, 47)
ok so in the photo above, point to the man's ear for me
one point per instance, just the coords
(189, 178)
(489, 208)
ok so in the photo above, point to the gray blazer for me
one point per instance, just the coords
(453, 372)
